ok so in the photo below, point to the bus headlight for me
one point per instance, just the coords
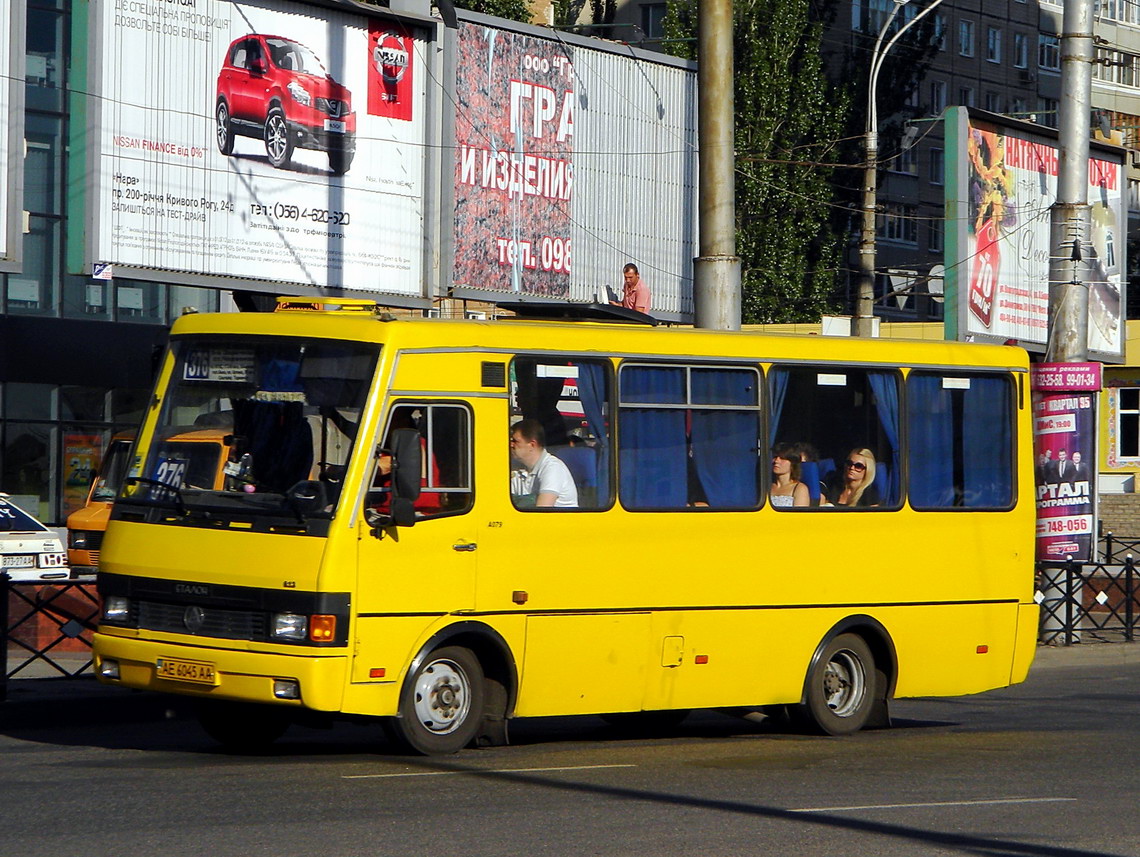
(290, 626)
(116, 608)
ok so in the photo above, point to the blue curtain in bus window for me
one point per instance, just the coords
(987, 443)
(778, 389)
(652, 454)
(930, 436)
(724, 441)
(592, 395)
(885, 387)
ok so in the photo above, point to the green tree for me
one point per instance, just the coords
(513, 10)
(789, 124)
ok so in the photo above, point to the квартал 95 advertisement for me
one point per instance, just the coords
(262, 140)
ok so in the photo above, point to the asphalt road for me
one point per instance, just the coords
(1050, 768)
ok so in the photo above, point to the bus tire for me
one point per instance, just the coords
(441, 705)
(841, 686)
(242, 727)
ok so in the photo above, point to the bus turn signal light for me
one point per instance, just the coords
(983, 650)
(322, 628)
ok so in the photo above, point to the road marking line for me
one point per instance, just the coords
(500, 771)
(938, 803)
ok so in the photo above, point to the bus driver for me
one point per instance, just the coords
(544, 478)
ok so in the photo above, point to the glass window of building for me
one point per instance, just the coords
(33, 291)
(937, 166)
(86, 298)
(1020, 50)
(937, 96)
(43, 164)
(966, 96)
(966, 38)
(653, 20)
(993, 44)
(45, 61)
(1049, 52)
(140, 301)
(29, 401)
(1127, 422)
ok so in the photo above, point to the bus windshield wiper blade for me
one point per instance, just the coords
(174, 492)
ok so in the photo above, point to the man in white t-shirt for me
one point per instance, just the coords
(544, 477)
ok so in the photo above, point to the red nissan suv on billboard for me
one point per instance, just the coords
(275, 89)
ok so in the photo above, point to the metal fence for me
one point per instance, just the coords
(45, 629)
(1091, 601)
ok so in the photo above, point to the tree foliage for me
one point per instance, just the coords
(513, 10)
(789, 124)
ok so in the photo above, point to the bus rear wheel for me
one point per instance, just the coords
(841, 687)
(441, 705)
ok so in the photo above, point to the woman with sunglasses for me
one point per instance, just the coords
(851, 486)
(787, 490)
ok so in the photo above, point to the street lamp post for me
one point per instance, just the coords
(865, 302)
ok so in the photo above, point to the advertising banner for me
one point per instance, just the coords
(1064, 433)
(1000, 270)
(280, 142)
(514, 171)
(82, 455)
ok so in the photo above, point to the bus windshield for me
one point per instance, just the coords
(288, 410)
(111, 474)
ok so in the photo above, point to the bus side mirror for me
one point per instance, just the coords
(407, 465)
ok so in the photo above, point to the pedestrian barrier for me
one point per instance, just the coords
(45, 629)
(1090, 601)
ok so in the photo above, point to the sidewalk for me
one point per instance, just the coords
(1082, 654)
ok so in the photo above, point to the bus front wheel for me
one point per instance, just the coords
(441, 705)
(840, 690)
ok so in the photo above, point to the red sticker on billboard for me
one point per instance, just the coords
(390, 53)
(984, 277)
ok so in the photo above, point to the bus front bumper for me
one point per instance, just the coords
(300, 680)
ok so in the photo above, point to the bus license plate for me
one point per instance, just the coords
(334, 126)
(18, 561)
(197, 672)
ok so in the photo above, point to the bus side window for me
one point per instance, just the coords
(689, 436)
(840, 413)
(569, 399)
(445, 473)
(960, 431)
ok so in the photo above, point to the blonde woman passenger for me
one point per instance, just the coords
(787, 490)
(851, 485)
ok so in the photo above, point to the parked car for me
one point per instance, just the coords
(29, 551)
(276, 89)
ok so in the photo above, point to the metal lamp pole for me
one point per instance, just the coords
(865, 303)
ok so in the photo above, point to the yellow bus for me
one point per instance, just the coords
(195, 456)
(407, 536)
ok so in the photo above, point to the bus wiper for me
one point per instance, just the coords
(174, 493)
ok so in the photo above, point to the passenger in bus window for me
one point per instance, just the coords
(851, 485)
(544, 480)
(787, 489)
